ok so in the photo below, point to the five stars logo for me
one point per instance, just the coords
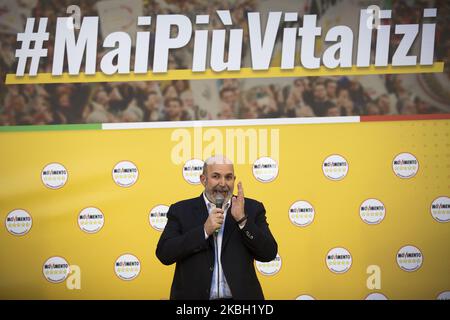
(265, 169)
(56, 269)
(405, 165)
(127, 267)
(192, 170)
(18, 222)
(54, 176)
(269, 268)
(158, 217)
(125, 174)
(409, 258)
(90, 220)
(339, 260)
(335, 167)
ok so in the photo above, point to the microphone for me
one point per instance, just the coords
(219, 203)
(219, 200)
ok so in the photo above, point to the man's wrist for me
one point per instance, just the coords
(242, 220)
(205, 229)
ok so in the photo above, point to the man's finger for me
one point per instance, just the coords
(240, 189)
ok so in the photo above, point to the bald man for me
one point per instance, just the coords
(215, 248)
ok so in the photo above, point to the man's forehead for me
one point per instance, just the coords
(221, 168)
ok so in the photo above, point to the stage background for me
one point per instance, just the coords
(90, 155)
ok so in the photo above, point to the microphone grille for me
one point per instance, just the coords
(219, 200)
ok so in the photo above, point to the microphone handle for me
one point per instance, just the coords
(219, 206)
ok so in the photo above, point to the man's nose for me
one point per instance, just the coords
(222, 181)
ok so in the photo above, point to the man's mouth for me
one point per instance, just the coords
(223, 192)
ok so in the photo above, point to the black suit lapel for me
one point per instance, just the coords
(202, 212)
(201, 209)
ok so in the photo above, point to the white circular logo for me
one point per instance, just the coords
(56, 269)
(372, 211)
(301, 213)
(158, 217)
(405, 165)
(440, 209)
(265, 169)
(376, 296)
(339, 260)
(127, 267)
(305, 297)
(125, 174)
(409, 258)
(335, 167)
(192, 170)
(444, 296)
(18, 222)
(54, 176)
(90, 220)
(269, 268)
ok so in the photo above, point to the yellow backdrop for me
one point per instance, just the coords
(89, 157)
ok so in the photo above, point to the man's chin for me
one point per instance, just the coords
(226, 195)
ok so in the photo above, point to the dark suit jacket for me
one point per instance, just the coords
(183, 241)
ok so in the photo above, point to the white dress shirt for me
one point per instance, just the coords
(224, 290)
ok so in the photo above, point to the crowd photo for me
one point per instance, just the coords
(221, 99)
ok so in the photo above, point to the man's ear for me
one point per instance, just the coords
(203, 179)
